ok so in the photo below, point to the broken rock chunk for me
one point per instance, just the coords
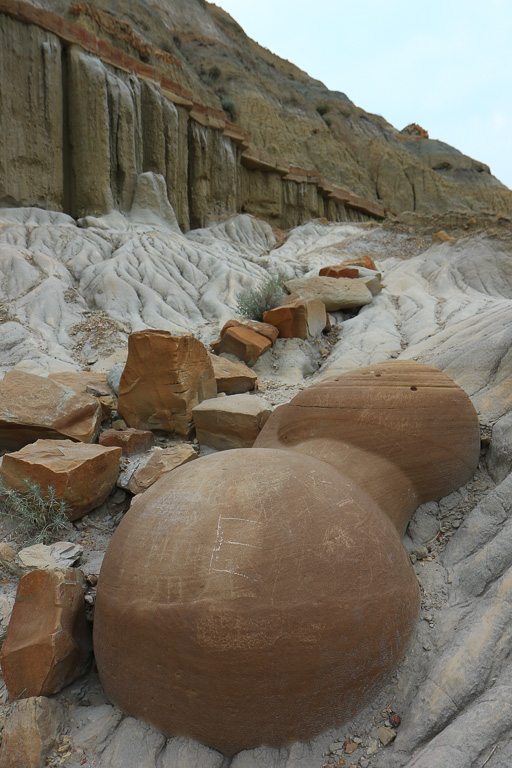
(233, 378)
(231, 422)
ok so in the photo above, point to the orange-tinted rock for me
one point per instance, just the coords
(164, 378)
(87, 382)
(300, 318)
(360, 261)
(33, 407)
(30, 731)
(442, 236)
(264, 329)
(243, 343)
(263, 606)
(230, 422)
(232, 378)
(401, 430)
(159, 462)
(82, 475)
(339, 271)
(48, 640)
(130, 441)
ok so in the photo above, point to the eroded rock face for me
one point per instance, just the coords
(82, 475)
(48, 640)
(131, 441)
(402, 430)
(245, 611)
(33, 407)
(164, 378)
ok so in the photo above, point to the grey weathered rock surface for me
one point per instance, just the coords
(335, 292)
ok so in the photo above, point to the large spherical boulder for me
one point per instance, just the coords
(402, 430)
(255, 596)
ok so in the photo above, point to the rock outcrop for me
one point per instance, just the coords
(48, 641)
(164, 378)
(33, 407)
(82, 475)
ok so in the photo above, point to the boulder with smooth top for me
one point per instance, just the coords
(335, 293)
(230, 422)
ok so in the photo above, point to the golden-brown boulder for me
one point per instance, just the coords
(264, 329)
(232, 378)
(299, 318)
(33, 407)
(243, 343)
(230, 422)
(275, 598)
(401, 430)
(131, 441)
(82, 475)
(164, 378)
(48, 640)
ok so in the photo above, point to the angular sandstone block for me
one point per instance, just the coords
(264, 329)
(243, 343)
(164, 378)
(88, 382)
(335, 293)
(230, 422)
(31, 730)
(300, 318)
(233, 378)
(82, 475)
(33, 407)
(48, 641)
(131, 441)
(159, 463)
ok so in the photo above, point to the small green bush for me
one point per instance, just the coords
(322, 109)
(229, 107)
(38, 516)
(255, 302)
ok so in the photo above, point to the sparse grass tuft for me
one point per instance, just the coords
(255, 302)
(38, 515)
(322, 109)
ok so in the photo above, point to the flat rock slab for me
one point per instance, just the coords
(231, 422)
(33, 407)
(165, 376)
(335, 293)
(300, 318)
(154, 465)
(31, 729)
(131, 441)
(48, 641)
(62, 554)
(233, 378)
(246, 344)
(82, 475)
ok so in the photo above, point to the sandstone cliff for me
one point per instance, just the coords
(90, 99)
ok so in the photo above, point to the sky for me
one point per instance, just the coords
(444, 65)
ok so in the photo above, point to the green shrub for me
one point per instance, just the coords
(229, 107)
(38, 515)
(255, 302)
(322, 109)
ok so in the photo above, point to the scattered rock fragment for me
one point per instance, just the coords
(232, 378)
(335, 293)
(264, 329)
(385, 735)
(131, 441)
(164, 378)
(359, 261)
(30, 731)
(442, 236)
(158, 463)
(300, 318)
(349, 747)
(244, 343)
(339, 271)
(33, 407)
(230, 422)
(82, 475)
(48, 641)
(9, 560)
(62, 554)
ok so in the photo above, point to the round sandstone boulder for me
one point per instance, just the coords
(251, 597)
(402, 430)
